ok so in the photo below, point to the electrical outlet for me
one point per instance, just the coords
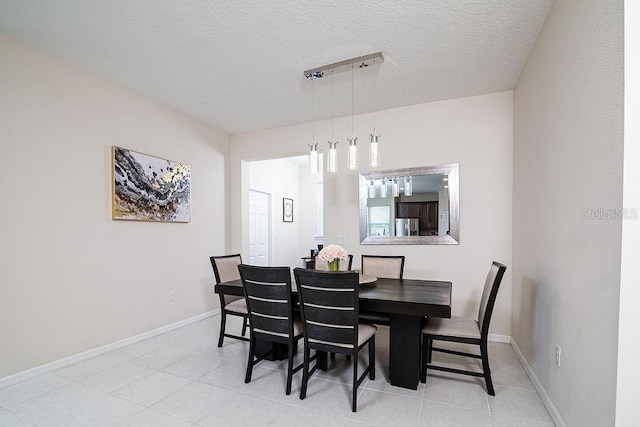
(172, 296)
(341, 240)
(558, 355)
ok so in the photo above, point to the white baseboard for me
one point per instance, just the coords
(499, 338)
(107, 348)
(551, 408)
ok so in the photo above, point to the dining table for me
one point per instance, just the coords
(406, 302)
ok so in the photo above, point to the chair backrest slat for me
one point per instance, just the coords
(329, 306)
(390, 267)
(268, 295)
(489, 293)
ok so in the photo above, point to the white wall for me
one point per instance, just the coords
(308, 211)
(628, 388)
(72, 279)
(280, 178)
(568, 146)
(475, 132)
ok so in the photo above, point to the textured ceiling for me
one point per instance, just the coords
(238, 64)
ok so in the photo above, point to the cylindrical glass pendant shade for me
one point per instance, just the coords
(314, 166)
(373, 150)
(383, 188)
(395, 188)
(332, 158)
(408, 188)
(352, 155)
(372, 190)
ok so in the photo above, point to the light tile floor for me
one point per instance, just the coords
(181, 378)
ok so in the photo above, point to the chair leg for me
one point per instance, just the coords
(423, 360)
(484, 353)
(430, 349)
(305, 373)
(245, 321)
(372, 358)
(355, 384)
(290, 368)
(252, 349)
(223, 323)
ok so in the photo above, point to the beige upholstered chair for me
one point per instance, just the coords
(225, 268)
(390, 267)
(464, 330)
(344, 265)
(383, 266)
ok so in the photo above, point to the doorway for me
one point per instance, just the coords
(259, 230)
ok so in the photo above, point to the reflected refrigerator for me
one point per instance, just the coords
(407, 227)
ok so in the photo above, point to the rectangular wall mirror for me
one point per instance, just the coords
(413, 206)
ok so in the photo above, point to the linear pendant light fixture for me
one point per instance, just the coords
(352, 154)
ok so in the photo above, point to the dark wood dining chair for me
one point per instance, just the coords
(329, 307)
(384, 266)
(225, 268)
(464, 330)
(268, 295)
(344, 265)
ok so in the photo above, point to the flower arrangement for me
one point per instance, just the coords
(332, 253)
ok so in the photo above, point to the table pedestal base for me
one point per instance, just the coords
(404, 350)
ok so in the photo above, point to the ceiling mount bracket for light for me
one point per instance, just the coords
(362, 61)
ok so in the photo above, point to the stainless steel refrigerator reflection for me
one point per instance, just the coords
(407, 227)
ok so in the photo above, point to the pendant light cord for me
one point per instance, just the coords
(374, 95)
(351, 100)
(332, 106)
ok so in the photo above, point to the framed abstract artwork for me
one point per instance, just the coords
(148, 188)
(287, 210)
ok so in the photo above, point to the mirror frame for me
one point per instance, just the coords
(453, 238)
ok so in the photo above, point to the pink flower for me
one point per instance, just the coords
(332, 252)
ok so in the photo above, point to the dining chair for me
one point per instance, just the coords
(382, 266)
(464, 330)
(329, 307)
(387, 266)
(268, 295)
(344, 266)
(225, 268)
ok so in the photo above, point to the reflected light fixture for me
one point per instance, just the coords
(352, 154)
(383, 188)
(372, 190)
(395, 187)
(408, 187)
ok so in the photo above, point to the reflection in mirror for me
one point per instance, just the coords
(410, 206)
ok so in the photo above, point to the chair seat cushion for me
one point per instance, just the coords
(237, 306)
(365, 332)
(454, 327)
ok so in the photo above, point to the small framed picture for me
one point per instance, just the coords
(287, 210)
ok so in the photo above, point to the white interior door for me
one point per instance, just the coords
(259, 214)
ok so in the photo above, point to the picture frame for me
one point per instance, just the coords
(287, 210)
(149, 188)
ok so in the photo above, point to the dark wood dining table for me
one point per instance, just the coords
(406, 302)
